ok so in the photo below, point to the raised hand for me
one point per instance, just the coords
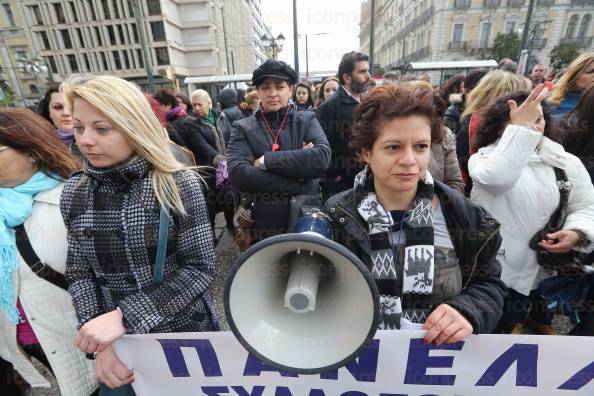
(528, 113)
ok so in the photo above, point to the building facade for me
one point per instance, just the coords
(183, 38)
(260, 29)
(449, 30)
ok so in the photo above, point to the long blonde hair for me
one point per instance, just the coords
(124, 105)
(493, 85)
(566, 83)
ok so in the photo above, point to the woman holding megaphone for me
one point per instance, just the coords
(431, 251)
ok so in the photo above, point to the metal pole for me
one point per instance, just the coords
(295, 42)
(372, 39)
(225, 38)
(306, 58)
(526, 27)
(233, 68)
(145, 56)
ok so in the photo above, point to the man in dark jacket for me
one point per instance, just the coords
(277, 153)
(230, 106)
(336, 117)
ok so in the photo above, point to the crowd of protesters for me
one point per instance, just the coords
(108, 198)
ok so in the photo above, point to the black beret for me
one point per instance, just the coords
(274, 69)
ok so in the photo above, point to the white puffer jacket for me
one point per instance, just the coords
(514, 179)
(48, 308)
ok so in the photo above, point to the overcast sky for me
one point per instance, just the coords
(339, 19)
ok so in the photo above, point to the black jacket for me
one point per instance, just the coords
(200, 138)
(451, 117)
(336, 118)
(463, 151)
(290, 171)
(233, 114)
(476, 239)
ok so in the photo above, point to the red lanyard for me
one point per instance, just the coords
(275, 137)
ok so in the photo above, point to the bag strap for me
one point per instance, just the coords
(162, 246)
(38, 267)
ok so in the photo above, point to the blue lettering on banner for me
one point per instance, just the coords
(316, 392)
(419, 361)
(282, 391)
(579, 379)
(526, 356)
(353, 393)
(175, 358)
(256, 391)
(364, 368)
(254, 367)
(214, 390)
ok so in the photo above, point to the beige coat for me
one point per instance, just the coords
(48, 308)
(443, 164)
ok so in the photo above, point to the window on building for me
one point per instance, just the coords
(116, 60)
(73, 11)
(585, 26)
(66, 38)
(52, 63)
(126, 60)
(158, 31)
(485, 35)
(121, 34)
(140, 59)
(116, 11)
(572, 26)
(135, 33)
(98, 36)
(509, 27)
(105, 6)
(72, 63)
(162, 56)
(44, 40)
(124, 34)
(104, 61)
(458, 31)
(81, 39)
(87, 63)
(59, 13)
(8, 14)
(90, 6)
(111, 34)
(33, 89)
(154, 7)
(37, 15)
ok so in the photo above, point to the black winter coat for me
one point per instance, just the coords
(463, 151)
(200, 138)
(451, 117)
(476, 239)
(336, 118)
(290, 171)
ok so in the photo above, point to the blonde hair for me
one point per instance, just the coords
(566, 82)
(126, 107)
(495, 84)
(249, 100)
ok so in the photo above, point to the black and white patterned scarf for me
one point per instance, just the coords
(412, 301)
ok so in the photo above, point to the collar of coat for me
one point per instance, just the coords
(273, 116)
(123, 174)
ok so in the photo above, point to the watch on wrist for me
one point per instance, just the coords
(261, 163)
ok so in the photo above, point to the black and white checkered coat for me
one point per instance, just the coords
(112, 217)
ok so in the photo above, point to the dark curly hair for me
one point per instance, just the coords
(307, 86)
(387, 103)
(165, 97)
(44, 104)
(453, 85)
(496, 117)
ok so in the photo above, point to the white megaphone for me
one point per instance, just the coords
(302, 302)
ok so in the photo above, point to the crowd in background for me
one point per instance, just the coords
(461, 198)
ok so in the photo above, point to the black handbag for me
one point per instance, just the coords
(39, 268)
(571, 263)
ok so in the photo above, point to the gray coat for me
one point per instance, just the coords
(443, 164)
(112, 218)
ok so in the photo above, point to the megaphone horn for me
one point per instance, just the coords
(302, 302)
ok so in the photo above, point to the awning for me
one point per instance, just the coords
(218, 79)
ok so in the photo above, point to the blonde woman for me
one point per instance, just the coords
(578, 77)
(493, 85)
(111, 210)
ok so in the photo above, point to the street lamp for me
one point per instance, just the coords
(535, 29)
(273, 44)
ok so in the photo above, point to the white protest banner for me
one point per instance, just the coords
(397, 363)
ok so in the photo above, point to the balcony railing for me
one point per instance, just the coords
(421, 20)
(581, 41)
(515, 3)
(545, 3)
(478, 45)
(457, 45)
(539, 43)
(582, 2)
(461, 4)
(492, 3)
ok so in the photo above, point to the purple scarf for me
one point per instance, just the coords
(67, 137)
(175, 113)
